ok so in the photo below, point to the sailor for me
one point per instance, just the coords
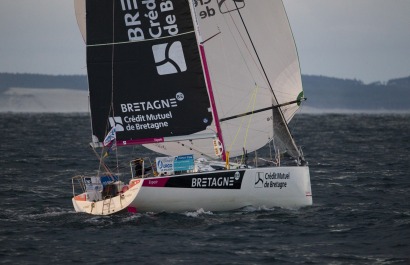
(138, 167)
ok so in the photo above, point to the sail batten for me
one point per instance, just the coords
(134, 41)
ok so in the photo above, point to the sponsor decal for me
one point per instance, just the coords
(156, 46)
(148, 121)
(184, 163)
(271, 180)
(207, 10)
(169, 58)
(168, 165)
(153, 20)
(159, 104)
(159, 18)
(219, 180)
(165, 164)
(228, 180)
(208, 182)
(218, 147)
(226, 6)
(157, 182)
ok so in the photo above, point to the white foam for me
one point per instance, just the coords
(197, 213)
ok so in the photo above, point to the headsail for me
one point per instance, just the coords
(144, 69)
(253, 64)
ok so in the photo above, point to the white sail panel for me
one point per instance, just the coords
(234, 65)
(79, 6)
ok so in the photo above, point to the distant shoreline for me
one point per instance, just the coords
(21, 93)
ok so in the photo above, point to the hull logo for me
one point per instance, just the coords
(271, 180)
(259, 180)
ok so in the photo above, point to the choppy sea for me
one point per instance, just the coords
(360, 215)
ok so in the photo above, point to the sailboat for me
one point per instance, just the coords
(203, 84)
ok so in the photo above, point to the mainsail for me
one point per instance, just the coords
(253, 64)
(144, 71)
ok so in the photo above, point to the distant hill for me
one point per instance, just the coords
(323, 93)
(334, 93)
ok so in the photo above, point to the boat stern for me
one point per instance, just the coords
(114, 197)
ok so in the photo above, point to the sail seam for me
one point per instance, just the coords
(127, 42)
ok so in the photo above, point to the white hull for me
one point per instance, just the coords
(226, 190)
(107, 206)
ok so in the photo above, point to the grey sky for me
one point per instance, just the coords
(363, 39)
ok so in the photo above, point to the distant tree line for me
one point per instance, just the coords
(336, 93)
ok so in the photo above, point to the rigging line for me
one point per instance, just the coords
(112, 80)
(101, 157)
(112, 60)
(254, 49)
(261, 110)
(101, 164)
(193, 149)
(243, 40)
(145, 40)
(239, 127)
(250, 119)
(213, 36)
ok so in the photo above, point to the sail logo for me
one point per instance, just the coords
(117, 123)
(169, 58)
(226, 6)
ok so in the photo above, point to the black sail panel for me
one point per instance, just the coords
(144, 69)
